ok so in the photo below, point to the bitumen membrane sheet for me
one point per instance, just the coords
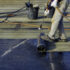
(20, 54)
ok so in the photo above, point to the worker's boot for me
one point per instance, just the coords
(50, 39)
(62, 40)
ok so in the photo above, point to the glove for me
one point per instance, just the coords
(46, 12)
(54, 3)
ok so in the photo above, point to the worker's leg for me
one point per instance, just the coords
(62, 34)
(55, 23)
(53, 30)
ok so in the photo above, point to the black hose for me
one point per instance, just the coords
(13, 11)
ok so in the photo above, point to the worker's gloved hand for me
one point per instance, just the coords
(54, 3)
(46, 12)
